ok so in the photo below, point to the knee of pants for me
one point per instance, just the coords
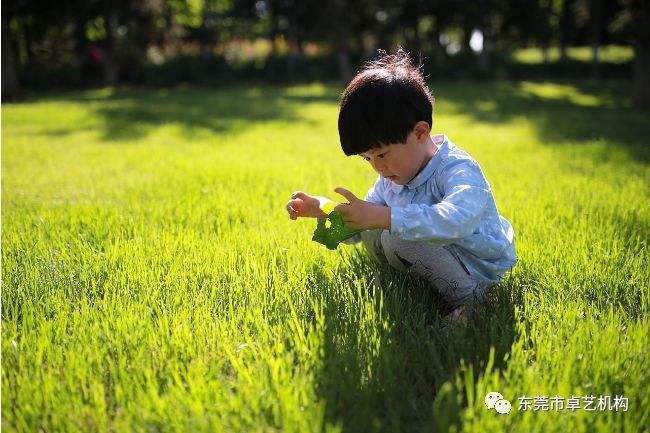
(436, 264)
(372, 242)
(390, 245)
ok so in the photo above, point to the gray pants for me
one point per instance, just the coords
(438, 265)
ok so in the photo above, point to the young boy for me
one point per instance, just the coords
(431, 211)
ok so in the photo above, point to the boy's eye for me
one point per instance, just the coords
(367, 158)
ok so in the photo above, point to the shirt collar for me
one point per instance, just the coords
(426, 171)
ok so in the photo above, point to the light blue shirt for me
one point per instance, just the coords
(449, 202)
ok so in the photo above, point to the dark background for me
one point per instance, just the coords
(78, 44)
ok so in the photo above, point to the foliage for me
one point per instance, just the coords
(332, 231)
(48, 37)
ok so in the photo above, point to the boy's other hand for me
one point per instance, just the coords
(303, 205)
(362, 215)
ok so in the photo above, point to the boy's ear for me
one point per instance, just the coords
(421, 130)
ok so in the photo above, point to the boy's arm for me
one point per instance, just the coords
(466, 194)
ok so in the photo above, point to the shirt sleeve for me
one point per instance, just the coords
(465, 197)
(374, 195)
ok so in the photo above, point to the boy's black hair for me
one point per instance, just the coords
(382, 104)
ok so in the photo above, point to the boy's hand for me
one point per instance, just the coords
(362, 215)
(304, 205)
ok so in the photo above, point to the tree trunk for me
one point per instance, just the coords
(595, 31)
(411, 34)
(484, 58)
(110, 64)
(641, 80)
(484, 62)
(81, 47)
(293, 34)
(27, 55)
(641, 88)
(341, 31)
(439, 55)
(546, 58)
(565, 26)
(9, 80)
(467, 36)
(295, 54)
(273, 28)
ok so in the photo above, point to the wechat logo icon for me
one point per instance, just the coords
(494, 400)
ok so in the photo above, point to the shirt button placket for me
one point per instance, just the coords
(411, 195)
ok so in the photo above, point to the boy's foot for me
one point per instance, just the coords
(455, 319)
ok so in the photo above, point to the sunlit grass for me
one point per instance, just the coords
(152, 281)
(608, 53)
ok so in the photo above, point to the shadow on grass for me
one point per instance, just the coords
(562, 113)
(132, 114)
(383, 369)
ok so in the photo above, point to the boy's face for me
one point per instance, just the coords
(399, 162)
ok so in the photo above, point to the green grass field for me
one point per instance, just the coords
(153, 282)
(608, 53)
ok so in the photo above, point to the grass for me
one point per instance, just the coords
(153, 282)
(608, 53)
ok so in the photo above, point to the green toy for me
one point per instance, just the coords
(331, 231)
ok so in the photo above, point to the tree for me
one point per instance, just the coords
(596, 27)
(566, 27)
(9, 81)
(635, 19)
